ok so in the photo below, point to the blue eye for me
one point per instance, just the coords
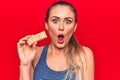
(55, 21)
(68, 21)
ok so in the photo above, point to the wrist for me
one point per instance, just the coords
(25, 65)
(25, 71)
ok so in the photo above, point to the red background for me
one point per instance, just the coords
(98, 28)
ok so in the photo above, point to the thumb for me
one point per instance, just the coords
(34, 44)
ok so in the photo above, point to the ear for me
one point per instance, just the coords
(46, 25)
(75, 27)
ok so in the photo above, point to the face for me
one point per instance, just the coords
(61, 25)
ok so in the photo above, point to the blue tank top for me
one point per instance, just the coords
(43, 72)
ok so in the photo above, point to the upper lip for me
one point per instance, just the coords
(60, 35)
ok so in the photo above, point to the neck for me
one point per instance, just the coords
(57, 51)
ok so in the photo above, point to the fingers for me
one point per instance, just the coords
(25, 38)
(23, 41)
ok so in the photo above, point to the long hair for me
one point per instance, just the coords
(74, 50)
(75, 55)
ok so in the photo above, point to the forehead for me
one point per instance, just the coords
(62, 11)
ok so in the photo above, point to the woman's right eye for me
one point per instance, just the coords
(55, 21)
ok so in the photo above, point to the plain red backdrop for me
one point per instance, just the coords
(98, 28)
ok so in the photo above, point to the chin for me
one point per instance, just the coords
(60, 46)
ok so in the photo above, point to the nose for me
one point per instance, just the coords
(61, 26)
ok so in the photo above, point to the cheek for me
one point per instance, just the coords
(52, 30)
(69, 31)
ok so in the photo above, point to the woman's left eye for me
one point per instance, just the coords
(68, 21)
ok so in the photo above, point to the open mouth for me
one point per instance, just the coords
(60, 38)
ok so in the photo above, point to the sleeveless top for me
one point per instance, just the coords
(43, 72)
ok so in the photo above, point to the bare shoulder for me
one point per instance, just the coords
(37, 56)
(39, 49)
(88, 64)
(88, 53)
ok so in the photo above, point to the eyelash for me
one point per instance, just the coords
(55, 21)
(68, 21)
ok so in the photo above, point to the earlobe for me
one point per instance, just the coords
(46, 26)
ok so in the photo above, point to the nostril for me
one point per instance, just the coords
(61, 29)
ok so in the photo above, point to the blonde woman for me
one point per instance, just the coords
(64, 58)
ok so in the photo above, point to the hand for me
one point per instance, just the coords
(25, 51)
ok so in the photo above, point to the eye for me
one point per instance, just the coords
(68, 21)
(55, 21)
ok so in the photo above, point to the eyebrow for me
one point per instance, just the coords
(59, 17)
(55, 17)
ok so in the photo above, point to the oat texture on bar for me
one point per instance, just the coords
(37, 37)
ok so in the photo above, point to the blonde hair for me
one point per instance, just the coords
(74, 55)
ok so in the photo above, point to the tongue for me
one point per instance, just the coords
(60, 38)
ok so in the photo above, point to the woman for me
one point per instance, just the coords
(63, 58)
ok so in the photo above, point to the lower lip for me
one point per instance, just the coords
(60, 41)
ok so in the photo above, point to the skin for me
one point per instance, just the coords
(60, 21)
(61, 24)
